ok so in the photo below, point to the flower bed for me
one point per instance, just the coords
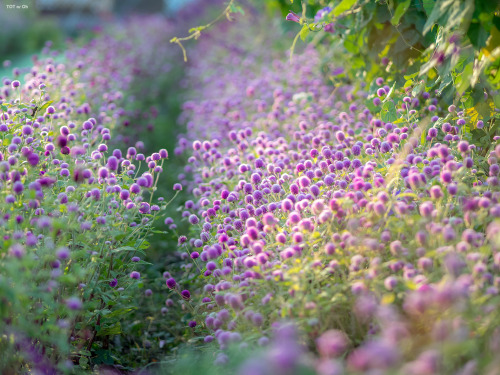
(365, 214)
(75, 213)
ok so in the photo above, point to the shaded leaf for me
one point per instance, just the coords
(400, 10)
(343, 6)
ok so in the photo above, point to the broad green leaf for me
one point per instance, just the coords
(463, 81)
(477, 35)
(343, 6)
(400, 10)
(446, 81)
(418, 89)
(388, 112)
(496, 100)
(481, 111)
(411, 76)
(494, 40)
(303, 33)
(408, 83)
(449, 13)
(428, 6)
(423, 136)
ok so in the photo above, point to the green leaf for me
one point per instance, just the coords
(124, 248)
(343, 6)
(477, 35)
(446, 81)
(44, 106)
(388, 112)
(411, 76)
(423, 136)
(449, 13)
(463, 81)
(428, 6)
(110, 331)
(389, 94)
(481, 111)
(400, 10)
(119, 312)
(303, 33)
(103, 356)
(235, 8)
(418, 89)
(128, 248)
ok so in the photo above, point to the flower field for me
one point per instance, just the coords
(326, 217)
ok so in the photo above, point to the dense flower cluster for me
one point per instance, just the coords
(366, 215)
(75, 212)
(351, 228)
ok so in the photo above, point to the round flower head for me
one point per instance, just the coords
(135, 275)
(171, 283)
(63, 253)
(74, 303)
(113, 163)
(332, 343)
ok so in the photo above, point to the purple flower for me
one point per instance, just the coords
(63, 253)
(332, 343)
(171, 283)
(112, 163)
(17, 250)
(74, 303)
(293, 17)
(185, 294)
(33, 159)
(135, 275)
(322, 13)
(144, 208)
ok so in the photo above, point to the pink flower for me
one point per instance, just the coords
(329, 28)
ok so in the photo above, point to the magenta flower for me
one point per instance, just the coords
(293, 17)
(186, 294)
(171, 283)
